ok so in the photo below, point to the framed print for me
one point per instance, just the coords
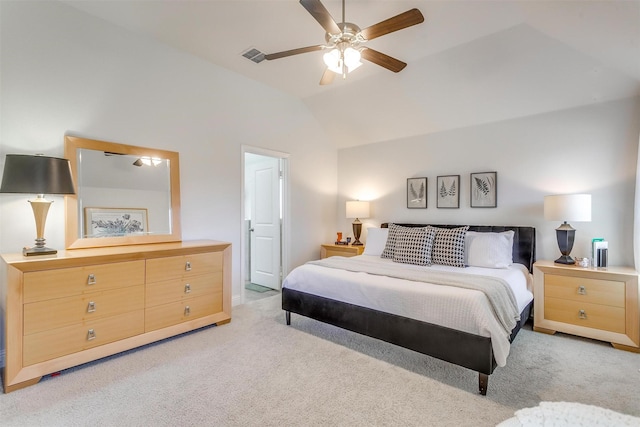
(448, 191)
(484, 190)
(114, 222)
(417, 193)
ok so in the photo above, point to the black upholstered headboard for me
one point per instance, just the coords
(524, 239)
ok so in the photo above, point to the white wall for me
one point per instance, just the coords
(591, 149)
(65, 72)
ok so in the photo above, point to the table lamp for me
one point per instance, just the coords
(357, 209)
(567, 207)
(38, 175)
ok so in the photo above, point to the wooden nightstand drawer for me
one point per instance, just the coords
(582, 289)
(340, 250)
(598, 316)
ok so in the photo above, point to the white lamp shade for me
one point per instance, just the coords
(567, 207)
(357, 209)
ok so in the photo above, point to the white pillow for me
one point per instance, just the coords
(491, 250)
(376, 240)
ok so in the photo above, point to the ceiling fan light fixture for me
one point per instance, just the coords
(333, 61)
(339, 62)
(344, 41)
(352, 58)
(147, 161)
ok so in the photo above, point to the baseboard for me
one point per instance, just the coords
(236, 300)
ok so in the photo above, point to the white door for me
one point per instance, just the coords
(265, 221)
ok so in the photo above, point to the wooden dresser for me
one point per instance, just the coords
(84, 304)
(589, 302)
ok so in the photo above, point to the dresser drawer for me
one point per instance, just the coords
(64, 282)
(597, 316)
(159, 269)
(165, 315)
(52, 314)
(581, 289)
(189, 287)
(71, 339)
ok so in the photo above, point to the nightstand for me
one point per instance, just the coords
(594, 303)
(340, 250)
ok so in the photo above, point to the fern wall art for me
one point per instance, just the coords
(417, 193)
(484, 190)
(448, 191)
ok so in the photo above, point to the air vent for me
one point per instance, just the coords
(254, 55)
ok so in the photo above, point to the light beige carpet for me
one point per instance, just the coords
(256, 371)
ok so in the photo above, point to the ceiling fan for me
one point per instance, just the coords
(345, 41)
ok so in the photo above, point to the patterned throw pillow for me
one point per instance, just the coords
(390, 246)
(448, 246)
(413, 245)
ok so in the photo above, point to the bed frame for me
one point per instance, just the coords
(461, 348)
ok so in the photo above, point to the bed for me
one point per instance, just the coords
(313, 291)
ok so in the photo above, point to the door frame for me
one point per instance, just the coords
(285, 242)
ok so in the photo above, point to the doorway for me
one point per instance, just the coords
(264, 222)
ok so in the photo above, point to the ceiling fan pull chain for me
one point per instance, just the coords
(344, 68)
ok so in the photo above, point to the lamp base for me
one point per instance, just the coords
(26, 251)
(565, 259)
(357, 230)
(565, 234)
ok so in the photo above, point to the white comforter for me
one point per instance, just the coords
(462, 309)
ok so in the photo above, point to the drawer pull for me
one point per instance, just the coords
(187, 288)
(582, 314)
(91, 279)
(187, 266)
(91, 335)
(582, 290)
(91, 307)
(187, 310)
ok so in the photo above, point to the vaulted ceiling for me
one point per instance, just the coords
(471, 62)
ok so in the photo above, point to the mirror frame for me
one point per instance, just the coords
(71, 146)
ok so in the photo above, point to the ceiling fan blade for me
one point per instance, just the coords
(322, 15)
(398, 22)
(327, 77)
(383, 60)
(291, 52)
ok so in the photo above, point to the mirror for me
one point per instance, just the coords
(125, 195)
